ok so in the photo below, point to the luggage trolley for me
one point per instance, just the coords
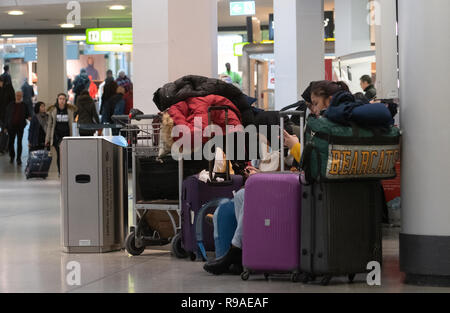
(143, 141)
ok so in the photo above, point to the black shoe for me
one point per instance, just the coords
(222, 265)
(236, 269)
(11, 161)
(19, 162)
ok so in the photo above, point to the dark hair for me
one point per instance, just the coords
(59, 95)
(367, 79)
(326, 88)
(37, 106)
(361, 97)
(108, 72)
(6, 68)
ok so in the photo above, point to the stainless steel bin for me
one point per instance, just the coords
(94, 191)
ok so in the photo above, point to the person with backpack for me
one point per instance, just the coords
(87, 113)
(81, 83)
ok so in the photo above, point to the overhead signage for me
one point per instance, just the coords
(108, 36)
(238, 8)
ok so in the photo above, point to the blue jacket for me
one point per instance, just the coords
(36, 135)
(345, 109)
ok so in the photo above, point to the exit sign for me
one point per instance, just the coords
(242, 8)
(106, 36)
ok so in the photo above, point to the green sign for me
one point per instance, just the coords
(238, 48)
(106, 36)
(242, 8)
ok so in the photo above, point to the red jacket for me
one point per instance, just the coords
(184, 112)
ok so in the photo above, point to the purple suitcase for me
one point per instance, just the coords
(271, 227)
(195, 194)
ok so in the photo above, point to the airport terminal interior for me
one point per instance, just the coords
(93, 199)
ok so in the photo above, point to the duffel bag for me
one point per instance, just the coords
(334, 152)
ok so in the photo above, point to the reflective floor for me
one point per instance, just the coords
(31, 259)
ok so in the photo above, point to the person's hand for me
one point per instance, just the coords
(290, 140)
(250, 170)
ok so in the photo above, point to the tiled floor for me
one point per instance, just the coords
(31, 259)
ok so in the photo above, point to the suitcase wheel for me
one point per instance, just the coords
(305, 278)
(177, 248)
(130, 245)
(351, 277)
(266, 276)
(192, 256)
(295, 277)
(245, 275)
(326, 280)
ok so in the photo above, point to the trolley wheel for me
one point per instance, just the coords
(266, 276)
(295, 277)
(304, 278)
(177, 248)
(326, 280)
(192, 256)
(351, 277)
(245, 275)
(130, 245)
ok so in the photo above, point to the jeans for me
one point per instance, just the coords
(12, 137)
(239, 211)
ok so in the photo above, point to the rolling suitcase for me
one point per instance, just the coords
(271, 226)
(38, 164)
(271, 230)
(195, 194)
(340, 229)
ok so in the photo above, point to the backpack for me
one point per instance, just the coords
(335, 152)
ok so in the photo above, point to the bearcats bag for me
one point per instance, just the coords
(334, 152)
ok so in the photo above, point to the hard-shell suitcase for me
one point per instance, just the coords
(271, 230)
(195, 194)
(38, 164)
(340, 229)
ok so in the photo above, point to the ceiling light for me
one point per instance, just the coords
(67, 26)
(117, 7)
(7, 35)
(15, 12)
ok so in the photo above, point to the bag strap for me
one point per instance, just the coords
(200, 220)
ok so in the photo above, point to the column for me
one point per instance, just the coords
(51, 68)
(352, 30)
(386, 49)
(424, 65)
(299, 48)
(171, 38)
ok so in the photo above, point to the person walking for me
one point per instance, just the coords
(235, 77)
(87, 113)
(16, 120)
(81, 82)
(38, 128)
(28, 94)
(107, 89)
(61, 119)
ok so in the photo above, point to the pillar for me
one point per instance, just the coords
(386, 49)
(352, 31)
(424, 65)
(171, 38)
(299, 48)
(51, 68)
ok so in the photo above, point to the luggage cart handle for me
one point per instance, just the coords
(136, 117)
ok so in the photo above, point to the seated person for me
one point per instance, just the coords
(233, 258)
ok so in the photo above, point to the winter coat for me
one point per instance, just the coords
(7, 95)
(50, 133)
(184, 112)
(114, 106)
(199, 86)
(344, 109)
(370, 92)
(36, 135)
(81, 82)
(10, 114)
(87, 113)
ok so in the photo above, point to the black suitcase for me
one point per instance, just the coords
(340, 229)
(38, 164)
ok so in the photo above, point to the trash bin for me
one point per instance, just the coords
(94, 193)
